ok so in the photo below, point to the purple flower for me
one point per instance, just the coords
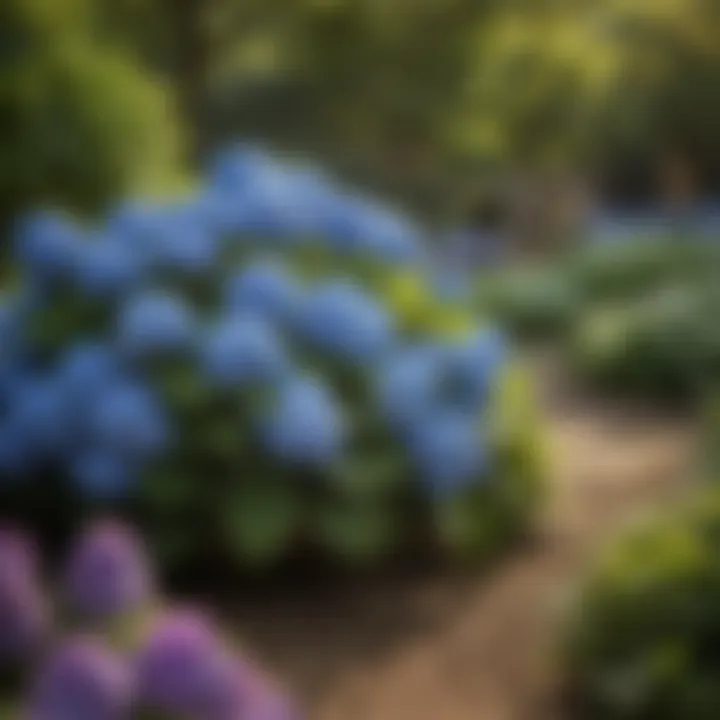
(182, 666)
(263, 701)
(24, 617)
(108, 572)
(18, 554)
(82, 681)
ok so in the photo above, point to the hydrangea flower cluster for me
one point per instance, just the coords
(269, 324)
(178, 667)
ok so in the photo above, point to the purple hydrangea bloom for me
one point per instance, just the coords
(264, 701)
(108, 572)
(24, 619)
(82, 680)
(154, 322)
(243, 349)
(180, 668)
(24, 616)
(18, 553)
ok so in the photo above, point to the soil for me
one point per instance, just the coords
(428, 645)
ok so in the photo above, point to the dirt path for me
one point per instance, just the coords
(481, 648)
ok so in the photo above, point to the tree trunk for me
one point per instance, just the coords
(191, 69)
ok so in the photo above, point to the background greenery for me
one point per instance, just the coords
(417, 99)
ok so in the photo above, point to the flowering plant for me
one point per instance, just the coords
(110, 650)
(263, 365)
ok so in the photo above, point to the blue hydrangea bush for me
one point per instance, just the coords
(261, 368)
(109, 648)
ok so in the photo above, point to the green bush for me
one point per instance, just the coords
(80, 123)
(534, 303)
(664, 346)
(644, 641)
(636, 317)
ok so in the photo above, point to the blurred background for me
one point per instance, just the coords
(550, 109)
(561, 158)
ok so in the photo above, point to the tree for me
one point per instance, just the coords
(80, 122)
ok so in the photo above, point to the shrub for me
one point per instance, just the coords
(643, 641)
(80, 123)
(633, 317)
(664, 346)
(110, 650)
(268, 369)
(537, 303)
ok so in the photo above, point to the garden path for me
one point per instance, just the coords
(481, 648)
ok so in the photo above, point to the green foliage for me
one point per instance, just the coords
(81, 123)
(643, 643)
(535, 302)
(635, 317)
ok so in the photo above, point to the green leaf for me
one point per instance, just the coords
(357, 531)
(469, 524)
(259, 520)
(168, 488)
(371, 475)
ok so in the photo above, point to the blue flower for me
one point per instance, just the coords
(135, 224)
(341, 319)
(17, 455)
(358, 225)
(305, 424)
(264, 287)
(128, 419)
(48, 245)
(10, 324)
(154, 323)
(390, 236)
(85, 369)
(183, 242)
(449, 451)
(475, 363)
(40, 415)
(409, 383)
(102, 474)
(243, 349)
(107, 267)
(235, 168)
